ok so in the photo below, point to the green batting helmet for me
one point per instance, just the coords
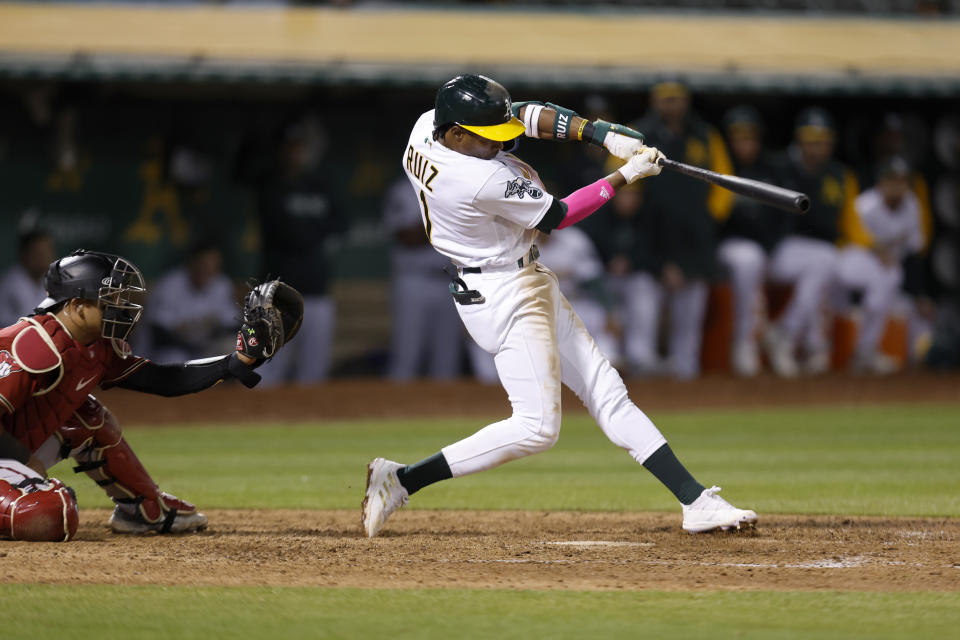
(479, 105)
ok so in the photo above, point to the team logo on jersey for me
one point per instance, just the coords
(520, 187)
(8, 364)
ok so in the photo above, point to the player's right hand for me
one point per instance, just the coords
(641, 165)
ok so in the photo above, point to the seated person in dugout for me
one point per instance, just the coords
(49, 363)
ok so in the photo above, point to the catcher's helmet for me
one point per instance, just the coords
(101, 277)
(478, 104)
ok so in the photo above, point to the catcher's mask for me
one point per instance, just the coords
(108, 279)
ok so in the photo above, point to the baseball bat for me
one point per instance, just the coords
(773, 195)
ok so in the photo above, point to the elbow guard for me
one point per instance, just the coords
(530, 117)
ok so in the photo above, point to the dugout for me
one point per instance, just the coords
(140, 86)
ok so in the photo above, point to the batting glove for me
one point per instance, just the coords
(622, 146)
(621, 141)
(641, 165)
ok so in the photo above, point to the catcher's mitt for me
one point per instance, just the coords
(272, 312)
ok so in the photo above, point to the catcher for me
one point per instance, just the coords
(51, 361)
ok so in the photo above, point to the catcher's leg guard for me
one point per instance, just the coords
(34, 508)
(94, 439)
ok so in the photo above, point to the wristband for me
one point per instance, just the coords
(601, 128)
(583, 125)
(242, 372)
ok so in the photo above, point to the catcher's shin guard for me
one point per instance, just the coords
(35, 509)
(94, 439)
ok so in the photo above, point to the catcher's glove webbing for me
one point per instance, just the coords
(272, 312)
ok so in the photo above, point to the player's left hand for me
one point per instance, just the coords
(619, 140)
(272, 313)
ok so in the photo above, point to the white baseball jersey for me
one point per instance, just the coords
(18, 295)
(899, 230)
(478, 213)
(484, 213)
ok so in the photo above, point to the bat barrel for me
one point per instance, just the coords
(771, 194)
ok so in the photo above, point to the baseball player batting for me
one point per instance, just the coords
(75, 341)
(483, 208)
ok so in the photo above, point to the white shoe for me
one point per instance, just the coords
(710, 512)
(879, 364)
(780, 353)
(745, 360)
(384, 495)
(817, 363)
(133, 523)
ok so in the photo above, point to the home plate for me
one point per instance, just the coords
(598, 543)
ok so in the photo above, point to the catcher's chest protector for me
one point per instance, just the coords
(67, 371)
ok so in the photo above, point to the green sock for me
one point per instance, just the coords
(674, 476)
(416, 476)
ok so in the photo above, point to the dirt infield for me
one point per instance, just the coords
(373, 398)
(496, 549)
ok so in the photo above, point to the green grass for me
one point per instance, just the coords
(208, 613)
(890, 460)
(865, 460)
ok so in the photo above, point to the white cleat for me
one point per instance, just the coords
(780, 353)
(134, 523)
(817, 363)
(878, 364)
(710, 512)
(745, 359)
(384, 495)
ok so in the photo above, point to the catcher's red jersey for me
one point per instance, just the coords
(45, 375)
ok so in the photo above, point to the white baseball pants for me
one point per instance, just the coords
(594, 317)
(308, 361)
(810, 266)
(643, 299)
(859, 269)
(746, 262)
(539, 342)
(427, 336)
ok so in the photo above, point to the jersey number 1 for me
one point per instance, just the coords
(426, 215)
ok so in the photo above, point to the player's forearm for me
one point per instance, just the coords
(171, 380)
(584, 201)
(616, 180)
(549, 124)
(554, 122)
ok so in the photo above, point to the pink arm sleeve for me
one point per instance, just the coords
(582, 202)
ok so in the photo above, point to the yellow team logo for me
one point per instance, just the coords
(830, 191)
(696, 152)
